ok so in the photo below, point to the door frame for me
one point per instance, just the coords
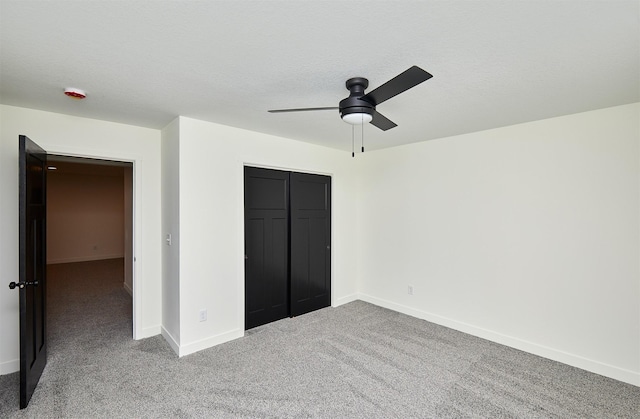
(241, 236)
(136, 201)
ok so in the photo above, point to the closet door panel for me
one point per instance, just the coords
(310, 242)
(266, 246)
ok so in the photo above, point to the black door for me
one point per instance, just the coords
(266, 197)
(32, 266)
(310, 242)
(287, 238)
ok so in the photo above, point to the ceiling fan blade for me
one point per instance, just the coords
(382, 121)
(400, 83)
(303, 109)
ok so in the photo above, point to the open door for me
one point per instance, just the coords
(32, 266)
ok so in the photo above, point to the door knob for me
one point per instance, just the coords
(21, 285)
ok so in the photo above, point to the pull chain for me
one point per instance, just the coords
(353, 154)
(362, 138)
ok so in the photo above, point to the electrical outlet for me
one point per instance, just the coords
(410, 290)
(203, 315)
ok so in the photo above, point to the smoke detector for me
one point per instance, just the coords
(74, 93)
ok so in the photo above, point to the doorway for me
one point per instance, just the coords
(137, 197)
(34, 164)
(287, 244)
(90, 214)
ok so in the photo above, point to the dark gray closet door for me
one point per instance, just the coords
(266, 202)
(310, 242)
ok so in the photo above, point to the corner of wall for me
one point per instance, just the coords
(170, 232)
(209, 342)
(173, 343)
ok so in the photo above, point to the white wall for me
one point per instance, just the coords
(211, 187)
(527, 235)
(171, 225)
(63, 134)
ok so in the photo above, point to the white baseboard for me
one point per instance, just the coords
(199, 345)
(84, 258)
(150, 331)
(127, 288)
(597, 367)
(9, 367)
(344, 300)
(171, 341)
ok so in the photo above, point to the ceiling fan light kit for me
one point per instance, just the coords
(357, 118)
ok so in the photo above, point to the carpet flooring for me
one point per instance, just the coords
(354, 361)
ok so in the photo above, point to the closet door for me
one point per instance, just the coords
(310, 242)
(266, 200)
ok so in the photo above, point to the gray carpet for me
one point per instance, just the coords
(354, 361)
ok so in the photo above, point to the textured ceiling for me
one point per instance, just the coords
(495, 63)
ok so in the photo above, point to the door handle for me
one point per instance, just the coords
(21, 285)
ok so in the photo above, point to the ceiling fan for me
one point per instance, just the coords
(360, 108)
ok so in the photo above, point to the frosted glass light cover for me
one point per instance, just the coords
(357, 118)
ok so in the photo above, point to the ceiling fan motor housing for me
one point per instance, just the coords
(353, 104)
